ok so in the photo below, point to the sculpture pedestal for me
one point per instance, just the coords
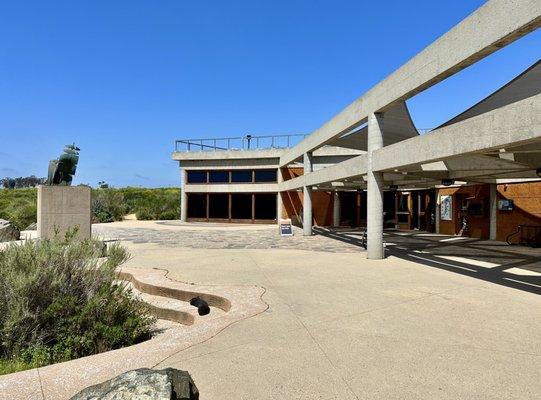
(64, 207)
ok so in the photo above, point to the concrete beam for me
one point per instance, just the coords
(232, 188)
(516, 123)
(353, 167)
(492, 26)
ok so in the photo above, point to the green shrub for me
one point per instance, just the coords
(19, 206)
(59, 300)
(144, 214)
(108, 205)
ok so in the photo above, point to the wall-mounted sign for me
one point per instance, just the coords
(505, 205)
(285, 227)
(446, 208)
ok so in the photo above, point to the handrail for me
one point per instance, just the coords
(247, 142)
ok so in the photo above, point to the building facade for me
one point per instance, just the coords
(369, 164)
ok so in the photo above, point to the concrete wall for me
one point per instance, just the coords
(64, 207)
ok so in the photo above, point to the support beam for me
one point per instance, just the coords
(336, 210)
(307, 198)
(374, 223)
(515, 124)
(279, 202)
(493, 211)
(349, 169)
(489, 28)
(183, 196)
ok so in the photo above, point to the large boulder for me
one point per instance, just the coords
(8, 232)
(144, 384)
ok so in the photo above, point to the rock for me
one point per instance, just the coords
(144, 384)
(32, 227)
(8, 232)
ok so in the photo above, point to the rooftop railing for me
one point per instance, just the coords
(248, 142)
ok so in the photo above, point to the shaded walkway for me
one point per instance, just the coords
(518, 267)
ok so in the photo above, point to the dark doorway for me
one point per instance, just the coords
(389, 218)
(415, 223)
(348, 208)
(197, 205)
(265, 206)
(219, 206)
(241, 206)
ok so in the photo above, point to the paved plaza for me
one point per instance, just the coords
(340, 326)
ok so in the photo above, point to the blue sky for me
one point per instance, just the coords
(124, 79)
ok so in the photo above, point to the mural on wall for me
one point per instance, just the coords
(446, 212)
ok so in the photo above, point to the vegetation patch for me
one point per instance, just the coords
(108, 204)
(19, 206)
(59, 300)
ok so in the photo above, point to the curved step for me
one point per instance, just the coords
(165, 307)
(173, 309)
(174, 293)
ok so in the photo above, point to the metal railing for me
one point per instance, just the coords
(248, 142)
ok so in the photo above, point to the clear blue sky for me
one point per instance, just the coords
(124, 79)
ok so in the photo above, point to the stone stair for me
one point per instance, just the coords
(172, 309)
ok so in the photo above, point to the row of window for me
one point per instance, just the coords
(235, 206)
(233, 176)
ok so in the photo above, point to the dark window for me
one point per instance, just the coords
(219, 176)
(197, 205)
(241, 176)
(219, 205)
(265, 175)
(197, 176)
(265, 206)
(241, 206)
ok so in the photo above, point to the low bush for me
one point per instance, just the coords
(108, 205)
(59, 300)
(19, 206)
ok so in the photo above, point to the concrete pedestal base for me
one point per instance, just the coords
(64, 207)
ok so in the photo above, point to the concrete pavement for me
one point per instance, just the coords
(340, 326)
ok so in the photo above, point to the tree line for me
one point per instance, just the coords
(21, 182)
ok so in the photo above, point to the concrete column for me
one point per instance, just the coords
(493, 210)
(336, 211)
(279, 203)
(374, 218)
(183, 196)
(438, 210)
(307, 198)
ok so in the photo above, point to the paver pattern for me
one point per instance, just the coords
(220, 237)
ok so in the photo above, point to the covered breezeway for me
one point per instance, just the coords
(518, 267)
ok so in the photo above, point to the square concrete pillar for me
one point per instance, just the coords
(64, 207)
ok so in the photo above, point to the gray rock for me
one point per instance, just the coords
(144, 384)
(8, 232)
(32, 227)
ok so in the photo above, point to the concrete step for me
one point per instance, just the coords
(171, 309)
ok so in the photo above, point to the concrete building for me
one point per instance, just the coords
(370, 164)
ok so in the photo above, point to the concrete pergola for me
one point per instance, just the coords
(498, 138)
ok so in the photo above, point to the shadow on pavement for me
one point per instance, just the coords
(488, 261)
